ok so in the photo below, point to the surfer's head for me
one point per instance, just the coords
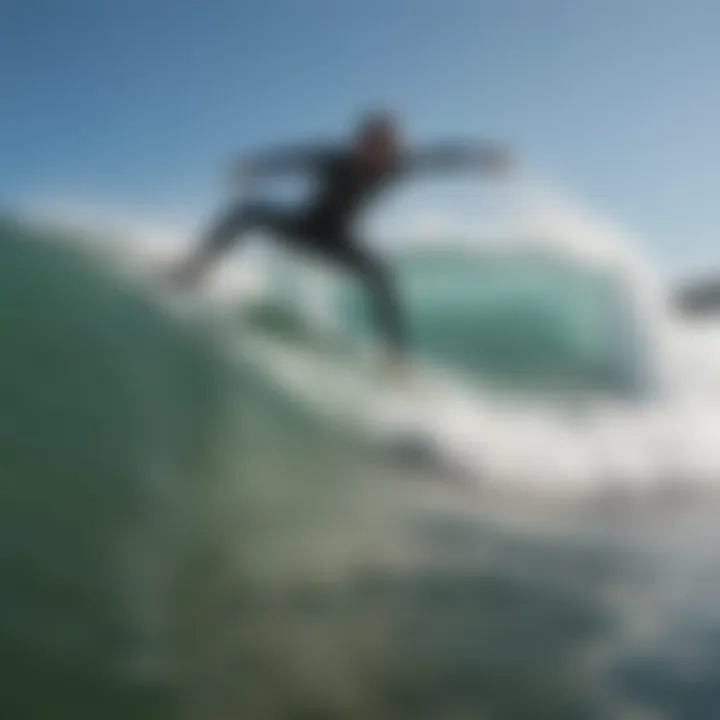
(378, 138)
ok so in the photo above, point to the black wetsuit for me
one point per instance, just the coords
(325, 224)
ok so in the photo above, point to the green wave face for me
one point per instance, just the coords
(178, 539)
(110, 412)
(520, 321)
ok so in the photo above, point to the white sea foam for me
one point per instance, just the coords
(673, 435)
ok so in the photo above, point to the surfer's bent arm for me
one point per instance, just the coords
(291, 160)
(455, 157)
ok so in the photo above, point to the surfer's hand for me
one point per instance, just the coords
(497, 161)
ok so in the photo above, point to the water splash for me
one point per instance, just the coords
(182, 537)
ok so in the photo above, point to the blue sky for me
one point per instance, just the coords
(138, 102)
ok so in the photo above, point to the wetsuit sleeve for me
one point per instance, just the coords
(455, 157)
(303, 159)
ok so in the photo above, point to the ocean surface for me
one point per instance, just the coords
(184, 537)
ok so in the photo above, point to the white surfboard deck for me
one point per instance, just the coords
(406, 417)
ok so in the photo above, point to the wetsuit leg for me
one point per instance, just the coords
(230, 228)
(239, 220)
(381, 286)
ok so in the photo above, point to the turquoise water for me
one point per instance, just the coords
(521, 320)
(179, 539)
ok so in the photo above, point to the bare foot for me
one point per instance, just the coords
(397, 368)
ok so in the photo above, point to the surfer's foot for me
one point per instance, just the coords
(397, 367)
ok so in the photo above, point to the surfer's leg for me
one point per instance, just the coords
(384, 298)
(229, 229)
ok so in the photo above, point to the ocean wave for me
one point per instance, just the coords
(182, 536)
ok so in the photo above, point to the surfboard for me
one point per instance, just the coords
(354, 391)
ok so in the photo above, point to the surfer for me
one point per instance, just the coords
(348, 178)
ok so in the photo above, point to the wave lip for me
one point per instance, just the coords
(564, 379)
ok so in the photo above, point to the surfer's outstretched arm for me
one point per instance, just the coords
(457, 157)
(290, 160)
